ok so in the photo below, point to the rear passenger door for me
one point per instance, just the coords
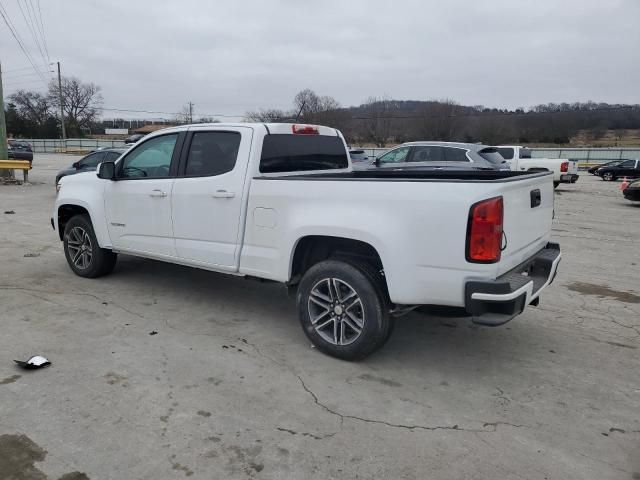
(207, 201)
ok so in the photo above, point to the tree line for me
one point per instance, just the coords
(382, 121)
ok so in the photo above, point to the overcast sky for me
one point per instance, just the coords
(228, 57)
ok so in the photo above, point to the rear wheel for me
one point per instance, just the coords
(608, 177)
(343, 309)
(84, 255)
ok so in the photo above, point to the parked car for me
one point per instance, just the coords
(442, 156)
(628, 168)
(90, 162)
(359, 159)
(632, 192)
(133, 138)
(520, 159)
(594, 170)
(281, 202)
(19, 150)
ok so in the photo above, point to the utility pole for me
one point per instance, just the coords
(190, 112)
(3, 125)
(64, 131)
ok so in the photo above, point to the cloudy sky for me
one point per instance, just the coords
(228, 57)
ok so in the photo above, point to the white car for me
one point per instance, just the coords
(281, 202)
(519, 159)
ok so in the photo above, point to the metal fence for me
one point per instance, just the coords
(71, 145)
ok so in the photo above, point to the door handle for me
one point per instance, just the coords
(157, 193)
(223, 194)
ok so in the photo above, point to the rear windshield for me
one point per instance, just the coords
(295, 153)
(491, 155)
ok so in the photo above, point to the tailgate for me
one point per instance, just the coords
(573, 166)
(528, 213)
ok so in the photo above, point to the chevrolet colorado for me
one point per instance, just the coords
(281, 202)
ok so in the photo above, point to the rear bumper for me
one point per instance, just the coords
(569, 178)
(498, 301)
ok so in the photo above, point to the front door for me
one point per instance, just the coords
(138, 203)
(208, 195)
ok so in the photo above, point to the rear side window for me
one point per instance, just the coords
(507, 153)
(456, 155)
(294, 153)
(212, 153)
(525, 153)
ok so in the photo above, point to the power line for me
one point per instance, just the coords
(44, 38)
(29, 24)
(16, 36)
(34, 21)
(11, 76)
(22, 68)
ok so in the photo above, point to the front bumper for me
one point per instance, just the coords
(498, 301)
(569, 178)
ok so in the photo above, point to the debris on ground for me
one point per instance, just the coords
(31, 255)
(153, 333)
(34, 362)
(9, 212)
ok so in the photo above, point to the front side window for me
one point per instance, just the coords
(212, 153)
(395, 156)
(151, 159)
(111, 156)
(507, 153)
(91, 160)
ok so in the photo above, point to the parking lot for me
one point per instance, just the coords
(161, 371)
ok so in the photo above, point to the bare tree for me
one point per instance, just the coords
(377, 120)
(273, 115)
(33, 107)
(81, 103)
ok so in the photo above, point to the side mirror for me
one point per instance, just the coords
(376, 162)
(107, 171)
(76, 165)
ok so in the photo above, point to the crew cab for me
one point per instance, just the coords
(519, 159)
(281, 202)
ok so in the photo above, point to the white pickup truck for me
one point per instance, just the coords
(519, 159)
(281, 202)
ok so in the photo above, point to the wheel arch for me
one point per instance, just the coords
(312, 249)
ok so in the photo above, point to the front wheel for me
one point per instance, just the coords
(608, 177)
(84, 255)
(343, 309)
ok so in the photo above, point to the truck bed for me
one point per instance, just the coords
(417, 175)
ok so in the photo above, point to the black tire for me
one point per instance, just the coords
(609, 177)
(91, 262)
(373, 309)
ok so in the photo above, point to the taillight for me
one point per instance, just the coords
(305, 130)
(564, 167)
(484, 231)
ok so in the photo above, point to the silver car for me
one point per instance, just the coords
(442, 155)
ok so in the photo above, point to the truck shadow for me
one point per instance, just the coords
(207, 301)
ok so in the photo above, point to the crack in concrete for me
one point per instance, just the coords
(493, 426)
(51, 292)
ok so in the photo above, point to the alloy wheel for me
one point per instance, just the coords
(336, 311)
(80, 248)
